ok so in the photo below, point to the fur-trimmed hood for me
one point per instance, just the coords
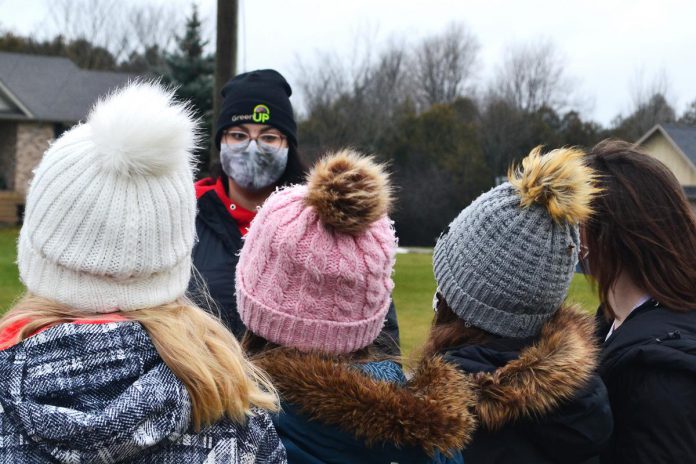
(545, 373)
(431, 411)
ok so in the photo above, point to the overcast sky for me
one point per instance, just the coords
(606, 43)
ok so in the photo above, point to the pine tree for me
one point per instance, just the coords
(191, 71)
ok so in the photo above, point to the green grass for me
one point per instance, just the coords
(413, 293)
(10, 288)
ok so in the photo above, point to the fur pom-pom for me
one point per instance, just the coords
(349, 191)
(560, 181)
(141, 130)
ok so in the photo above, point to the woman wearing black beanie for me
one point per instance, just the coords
(256, 135)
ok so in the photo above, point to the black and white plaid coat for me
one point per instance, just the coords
(100, 393)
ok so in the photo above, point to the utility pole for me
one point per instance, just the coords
(225, 56)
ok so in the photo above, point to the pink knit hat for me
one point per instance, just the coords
(315, 269)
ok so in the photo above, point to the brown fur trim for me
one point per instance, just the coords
(560, 181)
(546, 373)
(349, 191)
(431, 411)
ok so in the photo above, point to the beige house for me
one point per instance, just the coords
(40, 97)
(675, 145)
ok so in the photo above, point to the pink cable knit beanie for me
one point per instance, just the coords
(315, 269)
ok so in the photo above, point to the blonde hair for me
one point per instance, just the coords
(198, 349)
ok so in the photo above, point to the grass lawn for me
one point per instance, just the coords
(10, 288)
(413, 293)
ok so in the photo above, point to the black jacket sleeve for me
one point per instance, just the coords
(579, 429)
(655, 417)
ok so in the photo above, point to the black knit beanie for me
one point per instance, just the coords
(261, 97)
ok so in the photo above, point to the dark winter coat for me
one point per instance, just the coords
(100, 393)
(649, 367)
(215, 257)
(539, 399)
(335, 412)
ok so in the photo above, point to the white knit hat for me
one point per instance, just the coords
(110, 214)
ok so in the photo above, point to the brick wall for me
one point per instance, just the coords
(32, 140)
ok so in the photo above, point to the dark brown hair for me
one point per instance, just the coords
(642, 225)
(449, 330)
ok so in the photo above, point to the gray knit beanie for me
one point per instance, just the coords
(505, 263)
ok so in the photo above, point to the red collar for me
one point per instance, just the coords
(8, 337)
(241, 216)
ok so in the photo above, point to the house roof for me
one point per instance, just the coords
(690, 191)
(682, 138)
(49, 88)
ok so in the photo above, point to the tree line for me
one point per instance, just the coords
(420, 106)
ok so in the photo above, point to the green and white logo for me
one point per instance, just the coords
(261, 114)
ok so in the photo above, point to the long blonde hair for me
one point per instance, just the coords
(198, 349)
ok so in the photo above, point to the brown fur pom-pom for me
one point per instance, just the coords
(349, 191)
(560, 181)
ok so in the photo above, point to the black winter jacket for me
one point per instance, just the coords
(100, 393)
(539, 398)
(215, 259)
(649, 367)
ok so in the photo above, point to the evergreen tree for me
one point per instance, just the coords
(191, 71)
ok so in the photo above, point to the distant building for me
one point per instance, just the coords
(40, 97)
(675, 145)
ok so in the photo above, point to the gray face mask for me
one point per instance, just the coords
(253, 166)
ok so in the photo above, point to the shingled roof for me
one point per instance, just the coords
(681, 136)
(683, 139)
(54, 89)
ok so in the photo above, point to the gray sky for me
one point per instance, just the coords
(606, 44)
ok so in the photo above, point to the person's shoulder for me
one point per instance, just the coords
(227, 440)
(655, 337)
(256, 435)
(256, 424)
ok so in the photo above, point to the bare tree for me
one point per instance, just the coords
(643, 88)
(153, 25)
(322, 81)
(123, 28)
(532, 76)
(354, 101)
(650, 105)
(444, 64)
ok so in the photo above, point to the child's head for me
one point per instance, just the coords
(643, 228)
(109, 228)
(315, 269)
(110, 215)
(505, 263)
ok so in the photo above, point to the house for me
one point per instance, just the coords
(40, 97)
(675, 146)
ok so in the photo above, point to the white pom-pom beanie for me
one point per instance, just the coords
(110, 215)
